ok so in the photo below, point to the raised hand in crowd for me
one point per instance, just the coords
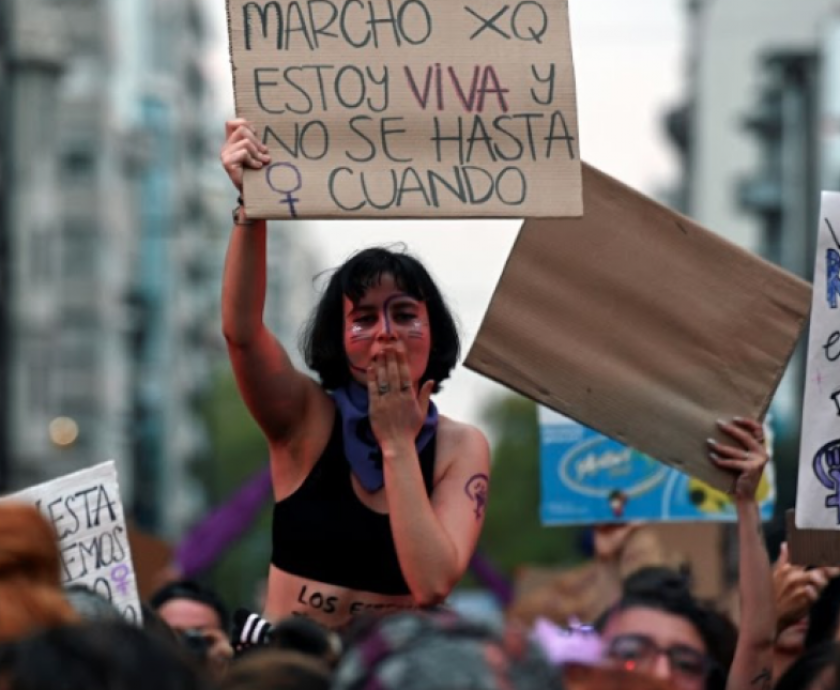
(242, 150)
(796, 588)
(745, 456)
(796, 591)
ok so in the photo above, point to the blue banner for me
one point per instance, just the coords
(587, 477)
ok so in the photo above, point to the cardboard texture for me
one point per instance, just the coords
(818, 485)
(152, 559)
(584, 592)
(638, 322)
(87, 513)
(811, 547)
(408, 108)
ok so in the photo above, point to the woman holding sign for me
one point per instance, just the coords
(379, 500)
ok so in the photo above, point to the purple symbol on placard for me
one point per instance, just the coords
(280, 184)
(119, 576)
(827, 470)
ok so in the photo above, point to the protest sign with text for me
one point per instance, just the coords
(87, 513)
(408, 108)
(818, 486)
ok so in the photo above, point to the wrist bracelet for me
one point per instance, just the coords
(239, 217)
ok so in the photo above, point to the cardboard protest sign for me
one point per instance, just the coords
(811, 547)
(87, 513)
(639, 323)
(587, 477)
(818, 486)
(408, 108)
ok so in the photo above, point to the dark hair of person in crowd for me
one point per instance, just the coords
(666, 590)
(824, 615)
(193, 591)
(89, 604)
(305, 636)
(155, 626)
(323, 340)
(422, 650)
(267, 668)
(30, 574)
(96, 656)
(816, 669)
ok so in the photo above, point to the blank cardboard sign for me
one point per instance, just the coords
(638, 322)
(815, 547)
(408, 108)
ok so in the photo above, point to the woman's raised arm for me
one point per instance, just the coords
(753, 662)
(275, 392)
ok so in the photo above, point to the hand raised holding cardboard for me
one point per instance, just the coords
(747, 456)
(242, 150)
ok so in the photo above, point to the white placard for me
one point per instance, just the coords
(818, 488)
(87, 513)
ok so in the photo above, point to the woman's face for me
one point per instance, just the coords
(386, 317)
(657, 643)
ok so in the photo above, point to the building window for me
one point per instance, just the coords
(38, 378)
(78, 163)
(41, 245)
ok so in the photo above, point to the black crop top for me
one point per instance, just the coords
(324, 532)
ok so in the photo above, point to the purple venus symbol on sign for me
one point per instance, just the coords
(827, 471)
(281, 183)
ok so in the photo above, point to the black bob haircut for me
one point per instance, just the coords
(323, 340)
(667, 590)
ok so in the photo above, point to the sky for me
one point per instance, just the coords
(629, 70)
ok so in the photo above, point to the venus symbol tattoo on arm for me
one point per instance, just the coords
(476, 489)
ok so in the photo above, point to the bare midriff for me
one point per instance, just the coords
(330, 605)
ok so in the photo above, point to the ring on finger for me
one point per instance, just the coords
(746, 455)
(406, 386)
(383, 388)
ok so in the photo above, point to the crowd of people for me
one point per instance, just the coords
(655, 634)
(379, 504)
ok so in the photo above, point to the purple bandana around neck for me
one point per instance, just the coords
(360, 446)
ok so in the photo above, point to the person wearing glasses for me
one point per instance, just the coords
(379, 501)
(659, 628)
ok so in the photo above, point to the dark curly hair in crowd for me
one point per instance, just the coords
(666, 590)
(824, 615)
(97, 656)
(810, 666)
(323, 340)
